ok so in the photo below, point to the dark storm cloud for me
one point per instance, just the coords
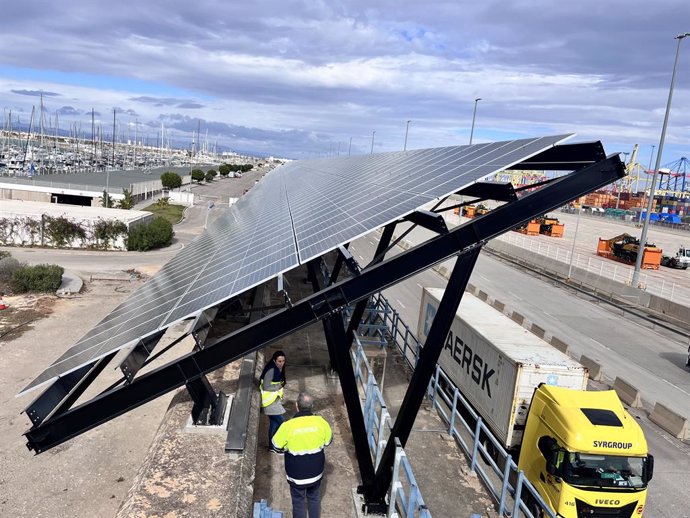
(68, 110)
(190, 105)
(35, 93)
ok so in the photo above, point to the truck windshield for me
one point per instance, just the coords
(583, 469)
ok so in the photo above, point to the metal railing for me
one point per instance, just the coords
(405, 499)
(487, 457)
(605, 269)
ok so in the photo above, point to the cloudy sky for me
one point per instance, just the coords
(304, 78)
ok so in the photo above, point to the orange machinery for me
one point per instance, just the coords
(543, 225)
(470, 211)
(624, 248)
(531, 228)
(550, 227)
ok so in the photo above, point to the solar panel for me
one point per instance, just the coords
(297, 212)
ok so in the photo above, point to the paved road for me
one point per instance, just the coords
(653, 362)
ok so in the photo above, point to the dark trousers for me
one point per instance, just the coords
(274, 422)
(310, 494)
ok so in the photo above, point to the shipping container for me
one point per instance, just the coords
(497, 364)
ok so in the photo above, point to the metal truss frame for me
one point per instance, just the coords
(62, 422)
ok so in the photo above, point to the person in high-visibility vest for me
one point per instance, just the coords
(303, 439)
(271, 385)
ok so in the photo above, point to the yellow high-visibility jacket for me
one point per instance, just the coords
(303, 439)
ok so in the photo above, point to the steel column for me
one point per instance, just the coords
(334, 330)
(424, 369)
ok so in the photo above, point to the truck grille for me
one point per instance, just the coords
(585, 510)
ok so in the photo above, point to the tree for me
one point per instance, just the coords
(171, 180)
(128, 201)
(198, 175)
(224, 169)
(106, 200)
(210, 175)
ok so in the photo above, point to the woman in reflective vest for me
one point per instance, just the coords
(271, 386)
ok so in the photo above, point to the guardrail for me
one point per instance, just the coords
(603, 269)
(405, 499)
(507, 485)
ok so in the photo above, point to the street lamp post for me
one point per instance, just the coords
(650, 201)
(572, 250)
(349, 149)
(407, 129)
(639, 220)
(474, 116)
(373, 133)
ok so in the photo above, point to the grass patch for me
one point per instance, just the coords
(173, 213)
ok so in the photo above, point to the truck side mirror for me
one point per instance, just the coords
(650, 468)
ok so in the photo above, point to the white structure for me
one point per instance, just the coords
(27, 223)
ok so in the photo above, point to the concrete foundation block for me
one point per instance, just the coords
(593, 367)
(628, 394)
(538, 331)
(560, 345)
(500, 306)
(673, 423)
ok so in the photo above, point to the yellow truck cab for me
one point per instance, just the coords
(585, 454)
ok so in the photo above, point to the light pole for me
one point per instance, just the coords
(373, 133)
(474, 116)
(650, 201)
(572, 250)
(349, 149)
(407, 129)
(639, 220)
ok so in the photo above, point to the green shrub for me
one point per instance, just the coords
(8, 265)
(147, 236)
(62, 231)
(107, 231)
(41, 278)
(4, 254)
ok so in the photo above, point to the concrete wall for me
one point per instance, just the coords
(18, 230)
(19, 194)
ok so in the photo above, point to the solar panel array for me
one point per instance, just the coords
(298, 211)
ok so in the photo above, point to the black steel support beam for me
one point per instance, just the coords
(426, 364)
(384, 244)
(349, 260)
(361, 306)
(314, 274)
(429, 220)
(499, 191)
(136, 359)
(329, 301)
(62, 394)
(337, 266)
(564, 157)
(203, 396)
(334, 331)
